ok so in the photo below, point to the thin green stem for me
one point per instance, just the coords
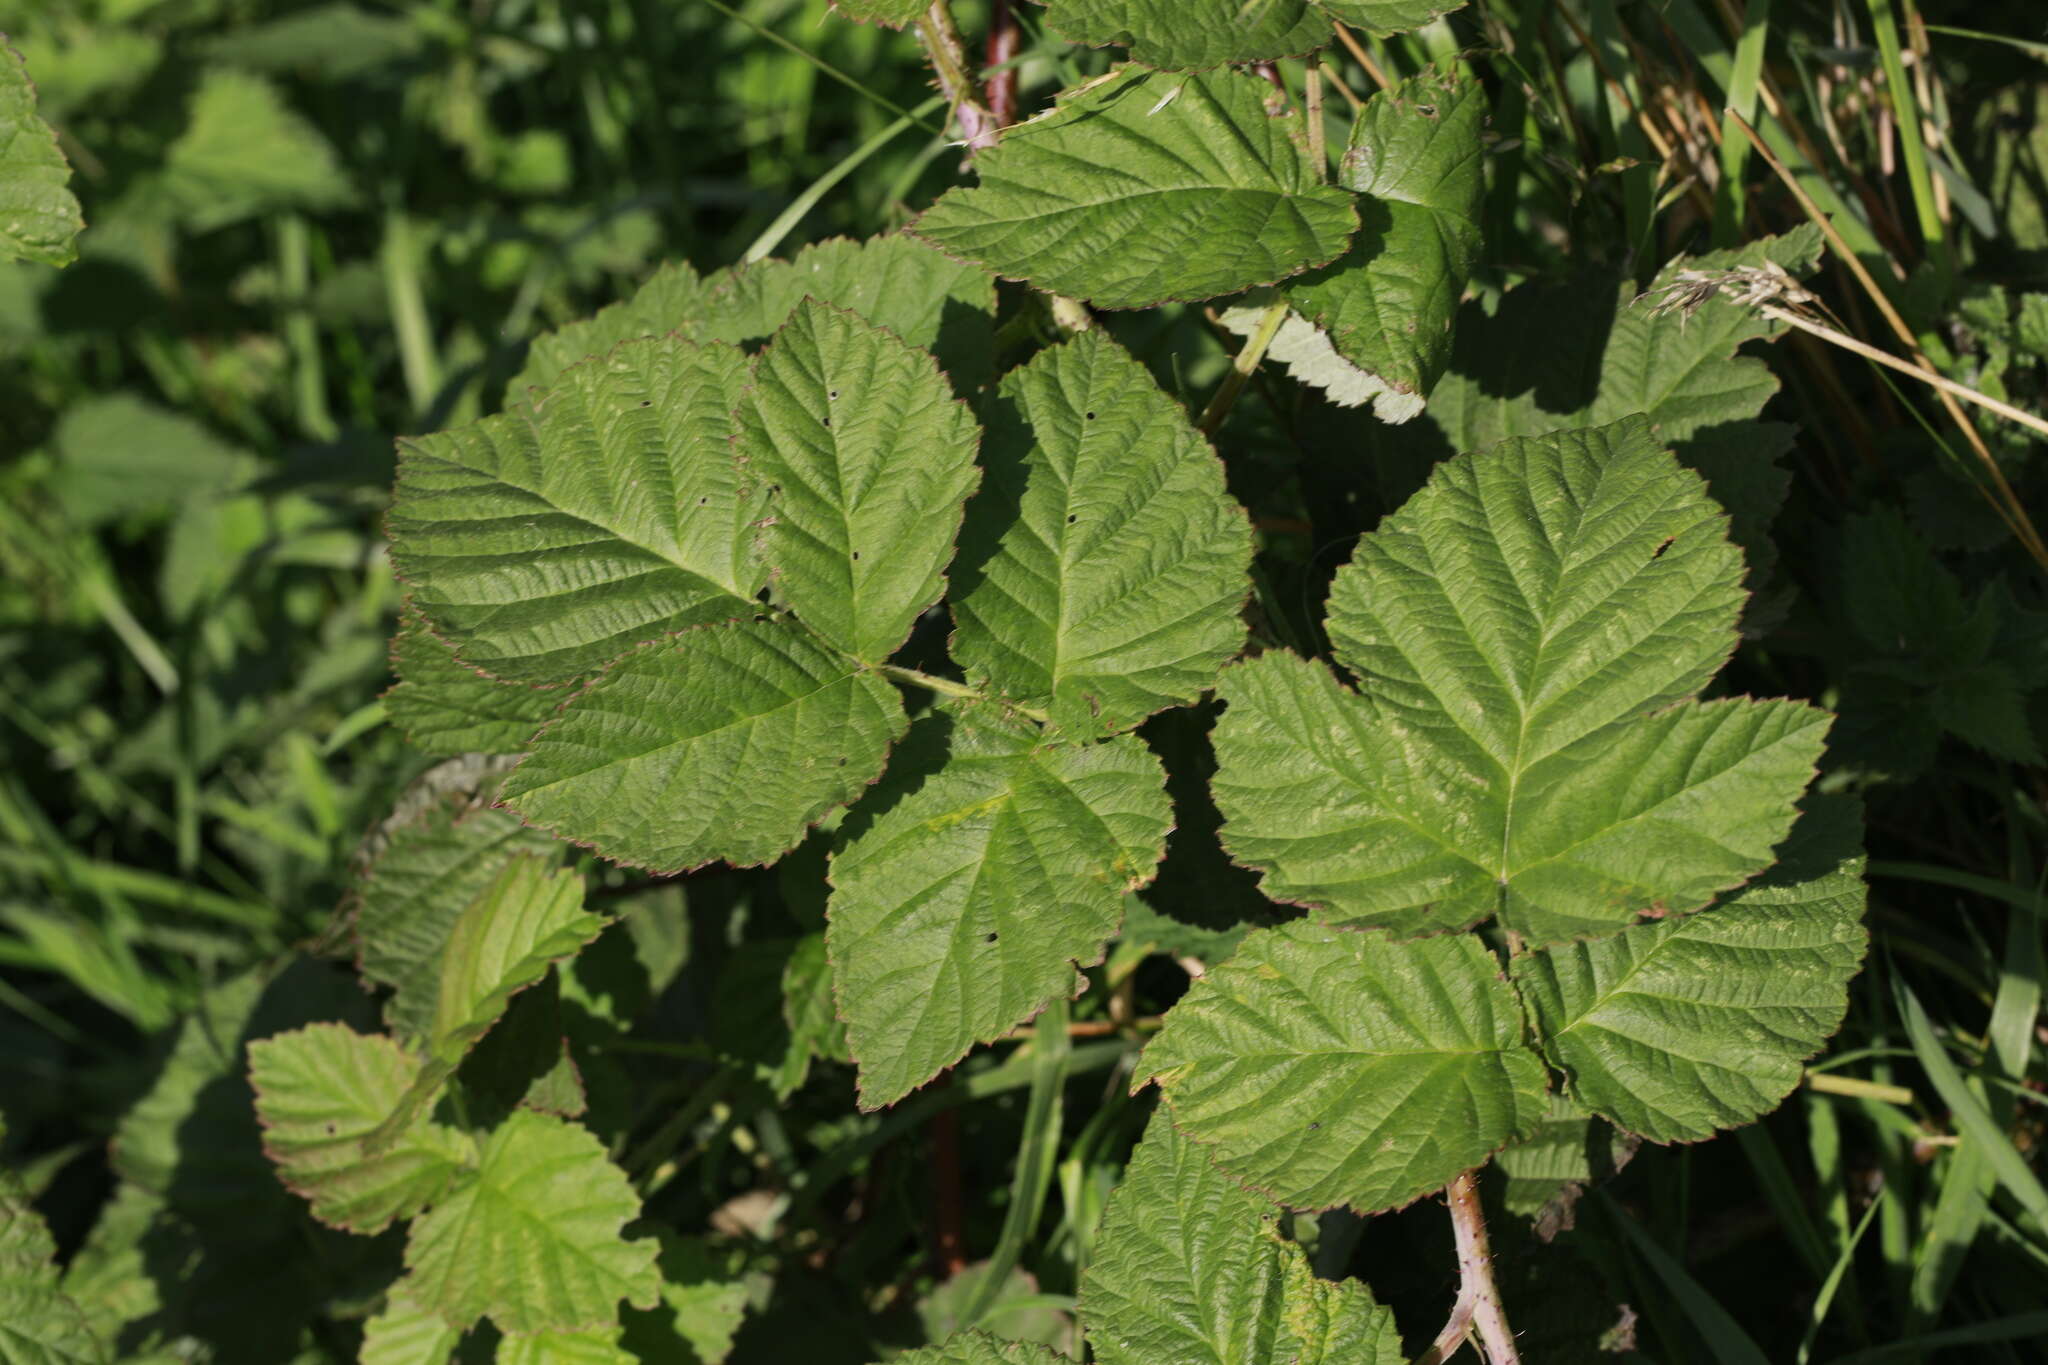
(1248, 359)
(946, 687)
(771, 237)
(1037, 1156)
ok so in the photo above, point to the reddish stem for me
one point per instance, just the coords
(1003, 38)
(949, 1242)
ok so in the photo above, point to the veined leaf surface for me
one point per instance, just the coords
(323, 1089)
(967, 905)
(1387, 17)
(548, 540)
(1679, 1028)
(862, 458)
(1189, 1270)
(39, 215)
(406, 1332)
(532, 1237)
(1128, 198)
(724, 743)
(1323, 1066)
(979, 1348)
(1183, 35)
(1103, 567)
(446, 707)
(1521, 631)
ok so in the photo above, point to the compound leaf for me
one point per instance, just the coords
(1189, 1270)
(863, 459)
(1103, 567)
(546, 541)
(39, 215)
(1143, 188)
(1388, 304)
(1521, 632)
(1326, 1067)
(447, 708)
(968, 904)
(532, 1236)
(724, 743)
(1185, 35)
(319, 1092)
(1678, 1028)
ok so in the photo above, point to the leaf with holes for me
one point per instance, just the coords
(862, 459)
(546, 541)
(1103, 567)
(1324, 1067)
(727, 742)
(1527, 633)
(1143, 188)
(1679, 1028)
(995, 867)
(1189, 1269)
(323, 1089)
(532, 1237)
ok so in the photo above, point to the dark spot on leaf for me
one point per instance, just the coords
(989, 937)
(647, 402)
(1314, 1126)
(833, 395)
(856, 554)
(1091, 416)
(331, 1129)
(1071, 518)
(828, 421)
(1659, 552)
(1426, 110)
(842, 761)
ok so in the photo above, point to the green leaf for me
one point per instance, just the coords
(1189, 1270)
(979, 1348)
(1143, 188)
(405, 1332)
(1681, 1027)
(39, 1323)
(596, 1346)
(700, 1310)
(863, 459)
(39, 215)
(1384, 18)
(532, 1238)
(506, 939)
(1526, 632)
(894, 13)
(895, 282)
(1327, 1067)
(548, 540)
(1388, 304)
(727, 742)
(808, 1008)
(1183, 35)
(1103, 567)
(447, 708)
(319, 1092)
(1312, 358)
(245, 152)
(437, 852)
(995, 868)
(1547, 1172)
(122, 456)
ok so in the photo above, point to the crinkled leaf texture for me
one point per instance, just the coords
(897, 283)
(894, 13)
(532, 1236)
(1182, 35)
(1323, 1066)
(1682, 1027)
(979, 1348)
(594, 1346)
(1189, 1270)
(1388, 304)
(1103, 567)
(994, 867)
(39, 215)
(1526, 633)
(1387, 17)
(726, 742)
(1142, 188)
(545, 541)
(862, 460)
(320, 1092)
(405, 1332)
(446, 708)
